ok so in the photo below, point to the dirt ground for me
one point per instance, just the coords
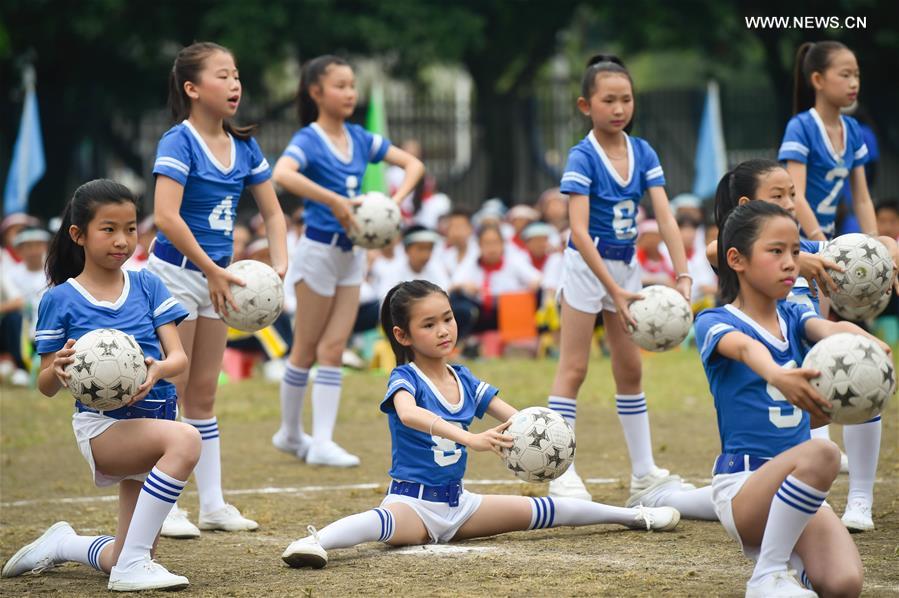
(43, 479)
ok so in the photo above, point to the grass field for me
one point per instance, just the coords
(42, 470)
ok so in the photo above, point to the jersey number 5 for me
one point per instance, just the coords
(220, 217)
(446, 452)
(776, 414)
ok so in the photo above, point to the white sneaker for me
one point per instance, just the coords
(780, 584)
(351, 359)
(857, 517)
(20, 378)
(651, 496)
(659, 519)
(844, 463)
(227, 519)
(653, 477)
(330, 454)
(40, 555)
(306, 552)
(569, 485)
(145, 574)
(177, 525)
(292, 447)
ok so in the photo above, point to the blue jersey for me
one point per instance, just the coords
(324, 164)
(801, 291)
(69, 311)
(613, 201)
(211, 190)
(827, 172)
(754, 417)
(418, 456)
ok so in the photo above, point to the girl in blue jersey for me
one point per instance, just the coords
(430, 404)
(324, 164)
(772, 478)
(823, 149)
(138, 446)
(606, 177)
(203, 164)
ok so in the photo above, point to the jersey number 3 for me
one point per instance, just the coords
(776, 414)
(446, 452)
(220, 216)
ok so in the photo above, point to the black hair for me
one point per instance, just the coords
(187, 67)
(461, 212)
(489, 226)
(742, 181)
(396, 309)
(811, 57)
(65, 257)
(311, 74)
(605, 63)
(740, 231)
(891, 204)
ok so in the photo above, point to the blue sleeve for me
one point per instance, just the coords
(482, 392)
(797, 315)
(795, 143)
(711, 326)
(51, 331)
(163, 306)
(813, 247)
(260, 171)
(297, 149)
(173, 156)
(653, 175)
(860, 155)
(376, 145)
(577, 178)
(400, 379)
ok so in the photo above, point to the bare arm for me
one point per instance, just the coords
(817, 329)
(52, 376)
(804, 213)
(275, 225)
(861, 201)
(412, 166)
(500, 409)
(288, 175)
(166, 212)
(673, 241)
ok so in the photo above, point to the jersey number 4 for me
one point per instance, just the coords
(446, 452)
(776, 414)
(220, 217)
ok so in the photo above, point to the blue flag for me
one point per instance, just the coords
(27, 166)
(711, 156)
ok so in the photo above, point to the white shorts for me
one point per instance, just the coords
(89, 425)
(189, 287)
(441, 520)
(325, 267)
(725, 486)
(582, 289)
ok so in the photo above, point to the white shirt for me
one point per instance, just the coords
(393, 272)
(515, 275)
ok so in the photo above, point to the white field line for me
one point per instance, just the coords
(270, 490)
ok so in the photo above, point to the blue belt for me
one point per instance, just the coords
(322, 236)
(610, 251)
(735, 463)
(448, 493)
(170, 254)
(165, 410)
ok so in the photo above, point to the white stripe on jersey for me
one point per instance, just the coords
(48, 337)
(400, 383)
(263, 166)
(576, 177)
(298, 153)
(654, 173)
(48, 331)
(714, 331)
(793, 146)
(807, 315)
(861, 152)
(376, 142)
(172, 163)
(165, 306)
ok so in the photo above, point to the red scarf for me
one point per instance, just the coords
(489, 270)
(539, 263)
(654, 266)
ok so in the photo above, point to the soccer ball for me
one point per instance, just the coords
(108, 368)
(868, 269)
(663, 318)
(857, 376)
(259, 302)
(861, 314)
(543, 445)
(379, 221)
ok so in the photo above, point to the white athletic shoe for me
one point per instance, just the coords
(569, 485)
(292, 447)
(227, 519)
(653, 477)
(650, 497)
(177, 525)
(40, 555)
(330, 454)
(780, 584)
(659, 519)
(145, 574)
(844, 463)
(306, 552)
(857, 517)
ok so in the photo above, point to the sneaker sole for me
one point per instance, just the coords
(181, 535)
(22, 552)
(124, 586)
(299, 560)
(671, 525)
(213, 527)
(338, 465)
(855, 527)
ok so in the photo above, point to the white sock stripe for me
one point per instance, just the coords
(543, 512)
(626, 402)
(96, 547)
(561, 401)
(792, 502)
(640, 395)
(390, 524)
(154, 488)
(805, 489)
(296, 376)
(167, 480)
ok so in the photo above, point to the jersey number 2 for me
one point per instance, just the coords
(776, 414)
(446, 452)
(220, 217)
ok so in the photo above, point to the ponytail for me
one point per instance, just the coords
(811, 57)
(605, 63)
(395, 312)
(311, 74)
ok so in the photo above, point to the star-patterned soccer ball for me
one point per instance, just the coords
(108, 368)
(868, 269)
(379, 221)
(857, 376)
(543, 445)
(259, 302)
(861, 314)
(663, 318)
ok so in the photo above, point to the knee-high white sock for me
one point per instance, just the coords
(567, 408)
(84, 549)
(634, 418)
(862, 443)
(293, 392)
(159, 493)
(325, 402)
(553, 512)
(692, 504)
(376, 525)
(791, 508)
(821, 432)
(209, 468)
